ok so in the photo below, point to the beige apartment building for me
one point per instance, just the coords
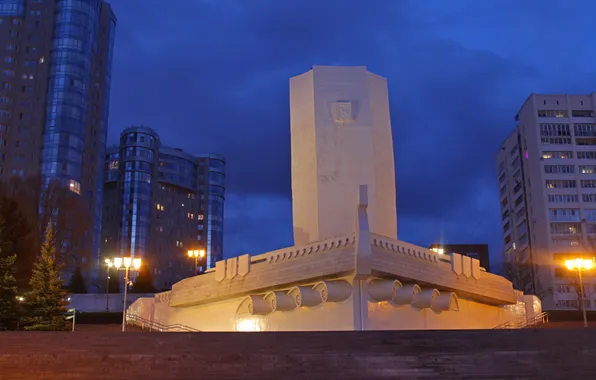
(547, 190)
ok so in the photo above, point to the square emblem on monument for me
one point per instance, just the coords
(342, 112)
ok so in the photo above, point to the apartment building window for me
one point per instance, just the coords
(75, 187)
(586, 155)
(563, 169)
(565, 242)
(590, 228)
(159, 207)
(582, 113)
(190, 215)
(552, 113)
(502, 178)
(588, 183)
(521, 214)
(565, 289)
(519, 200)
(557, 154)
(590, 215)
(507, 239)
(566, 304)
(565, 228)
(516, 163)
(503, 190)
(5, 99)
(585, 141)
(505, 215)
(564, 198)
(506, 227)
(179, 243)
(589, 198)
(560, 184)
(514, 150)
(5, 114)
(555, 134)
(587, 169)
(563, 215)
(200, 216)
(585, 130)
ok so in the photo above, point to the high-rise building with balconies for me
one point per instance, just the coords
(55, 58)
(160, 202)
(547, 188)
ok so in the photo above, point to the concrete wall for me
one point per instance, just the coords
(494, 354)
(96, 302)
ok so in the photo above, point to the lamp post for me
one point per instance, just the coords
(128, 262)
(581, 264)
(196, 253)
(108, 266)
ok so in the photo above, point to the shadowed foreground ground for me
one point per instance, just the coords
(488, 354)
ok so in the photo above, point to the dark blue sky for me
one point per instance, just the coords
(212, 76)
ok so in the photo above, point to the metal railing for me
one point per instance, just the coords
(525, 323)
(145, 324)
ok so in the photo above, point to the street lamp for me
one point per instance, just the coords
(136, 265)
(196, 253)
(109, 265)
(581, 264)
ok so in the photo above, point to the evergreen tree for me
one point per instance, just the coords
(10, 307)
(17, 238)
(77, 282)
(46, 302)
(144, 281)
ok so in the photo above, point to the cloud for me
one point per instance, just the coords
(213, 76)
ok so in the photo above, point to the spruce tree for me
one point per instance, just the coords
(77, 282)
(46, 302)
(10, 307)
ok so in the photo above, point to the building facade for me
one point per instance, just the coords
(547, 188)
(334, 112)
(475, 251)
(56, 59)
(160, 202)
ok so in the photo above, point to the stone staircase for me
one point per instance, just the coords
(534, 322)
(467, 354)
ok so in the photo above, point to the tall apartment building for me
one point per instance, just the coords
(56, 58)
(160, 202)
(547, 186)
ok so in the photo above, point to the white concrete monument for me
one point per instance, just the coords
(347, 270)
(341, 139)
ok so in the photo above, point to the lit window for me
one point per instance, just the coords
(190, 215)
(159, 207)
(75, 187)
(178, 243)
(200, 217)
(41, 60)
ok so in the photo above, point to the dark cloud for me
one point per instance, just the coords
(213, 76)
